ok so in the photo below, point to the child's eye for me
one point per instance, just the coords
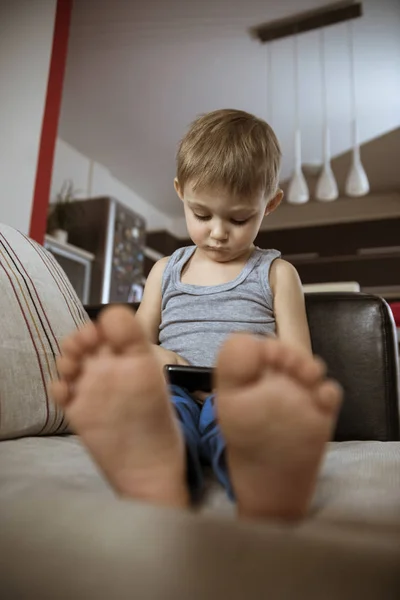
(239, 223)
(202, 217)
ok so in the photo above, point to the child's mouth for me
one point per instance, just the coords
(217, 248)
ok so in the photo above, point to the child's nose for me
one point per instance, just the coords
(219, 232)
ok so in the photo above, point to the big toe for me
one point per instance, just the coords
(120, 329)
(240, 361)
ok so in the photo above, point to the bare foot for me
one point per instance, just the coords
(115, 397)
(277, 412)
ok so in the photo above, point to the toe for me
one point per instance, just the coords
(82, 341)
(59, 390)
(294, 361)
(240, 361)
(310, 370)
(68, 368)
(104, 351)
(121, 330)
(71, 346)
(329, 396)
(88, 337)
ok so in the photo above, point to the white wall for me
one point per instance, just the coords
(93, 179)
(26, 34)
(143, 148)
(132, 89)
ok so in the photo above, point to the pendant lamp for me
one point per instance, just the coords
(327, 189)
(297, 192)
(357, 183)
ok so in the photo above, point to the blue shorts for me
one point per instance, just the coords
(204, 443)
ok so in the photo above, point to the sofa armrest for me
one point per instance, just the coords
(355, 334)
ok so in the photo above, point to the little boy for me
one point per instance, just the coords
(274, 411)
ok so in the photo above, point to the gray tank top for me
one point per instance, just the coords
(195, 320)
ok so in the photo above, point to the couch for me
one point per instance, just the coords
(64, 534)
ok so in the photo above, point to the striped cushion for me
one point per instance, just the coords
(38, 307)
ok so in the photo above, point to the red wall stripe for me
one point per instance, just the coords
(41, 195)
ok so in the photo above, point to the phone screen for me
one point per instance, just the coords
(191, 378)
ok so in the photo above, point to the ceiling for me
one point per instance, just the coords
(139, 72)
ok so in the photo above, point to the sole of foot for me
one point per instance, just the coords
(277, 412)
(115, 397)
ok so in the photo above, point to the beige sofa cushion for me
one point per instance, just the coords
(38, 307)
(64, 534)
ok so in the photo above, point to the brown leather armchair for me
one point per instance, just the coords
(355, 334)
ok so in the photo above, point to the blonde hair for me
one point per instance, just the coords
(230, 149)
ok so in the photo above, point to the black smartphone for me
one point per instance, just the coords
(192, 378)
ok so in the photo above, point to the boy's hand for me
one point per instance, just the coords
(167, 357)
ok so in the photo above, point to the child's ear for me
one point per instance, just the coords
(178, 188)
(274, 203)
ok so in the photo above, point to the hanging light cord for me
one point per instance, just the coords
(323, 79)
(269, 84)
(353, 100)
(296, 81)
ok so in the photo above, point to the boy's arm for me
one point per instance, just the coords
(149, 313)
(289, 306)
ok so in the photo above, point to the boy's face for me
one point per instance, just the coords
(221, 226)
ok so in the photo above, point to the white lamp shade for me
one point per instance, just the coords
(298, 189)
(297, 192)
(327, 189)
(357, 183)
